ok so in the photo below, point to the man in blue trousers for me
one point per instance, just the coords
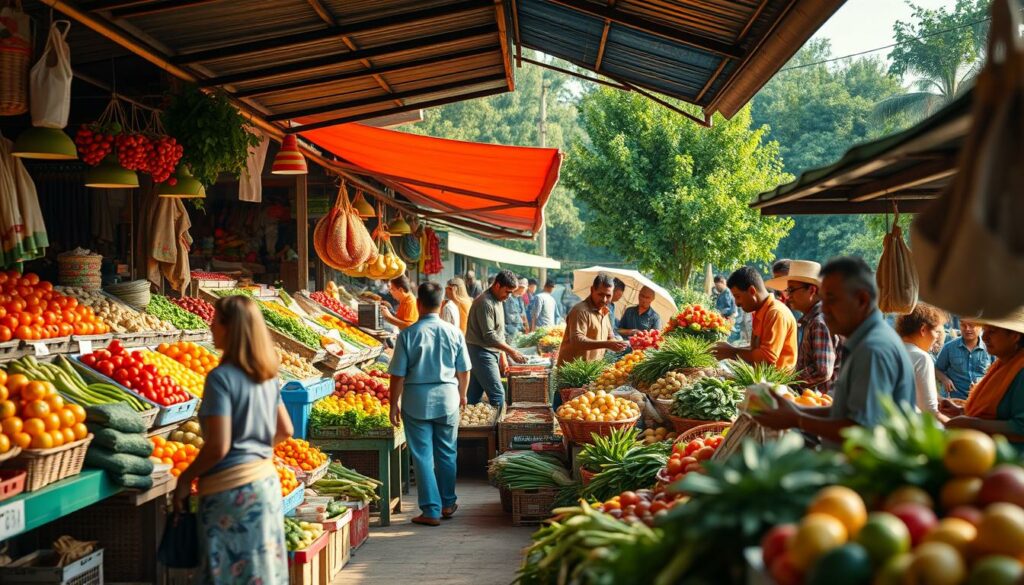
(429, 379)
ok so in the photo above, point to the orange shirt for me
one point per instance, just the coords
(773, 335)
(407, 311)
(464, 307)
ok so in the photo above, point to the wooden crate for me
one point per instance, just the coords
(532, 506)
(338, 552)
(529, 387)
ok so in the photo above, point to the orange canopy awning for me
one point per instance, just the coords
(505, 186)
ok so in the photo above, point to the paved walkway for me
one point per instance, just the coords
(477, 547)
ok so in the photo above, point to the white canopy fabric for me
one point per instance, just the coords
(663, 304)
(474, 248)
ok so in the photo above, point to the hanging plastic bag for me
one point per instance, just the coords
(896, 275)
(971, 237)
(50, 80)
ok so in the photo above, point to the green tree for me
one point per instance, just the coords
(816, 111)
(512, 119)
(671, 195)
(942, 50)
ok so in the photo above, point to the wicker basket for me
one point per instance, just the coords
(664, 407)
(529, 387)
(507, 430)
(581, 431)
(14, 63)
(79, 271)
(701, 430)
(682, 425)
(506, 499)
(532, 506)
(46, 466)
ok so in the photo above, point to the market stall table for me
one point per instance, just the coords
(392, 466)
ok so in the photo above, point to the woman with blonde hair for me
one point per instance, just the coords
(240, 518)
(455, 309)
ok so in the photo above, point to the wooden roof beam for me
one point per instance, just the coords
(652, 27)
(842, 207)
(336, 33)
(371, 101)
(349, 57)
(918, 174)
(377, 70)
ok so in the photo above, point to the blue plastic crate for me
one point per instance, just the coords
(294, 500)
(298, 398)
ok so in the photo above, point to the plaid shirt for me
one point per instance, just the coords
(817, 362)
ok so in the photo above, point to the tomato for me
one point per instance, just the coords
(105, 367)
(102, 354)
(88, 359)
(675, 466)
(693, 446)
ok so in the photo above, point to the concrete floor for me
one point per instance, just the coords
(479, 546)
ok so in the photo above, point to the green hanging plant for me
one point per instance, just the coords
(211, 130)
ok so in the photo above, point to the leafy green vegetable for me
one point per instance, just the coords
(744, 374)
(607, 450)
(676, 353)
(578, 373)
(638, 469)
(356, 420)
(710, 399)
(160, 307)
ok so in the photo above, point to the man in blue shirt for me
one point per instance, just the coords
(962, 362)
(875, 364)
(617, 291)
(642, 317)
(515, 312)
(429, 380)
(725, 303)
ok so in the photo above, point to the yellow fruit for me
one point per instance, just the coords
(816, 535)
(909, 494)
(960, 491)
(844, 505)
(958, 533)
(936, 563)
(1001, 531)
(970, 452)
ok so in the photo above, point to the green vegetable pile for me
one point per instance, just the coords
(299, 535)
(708, 399)
(161, 308)
(638, 469)
(531, 339)
(290, 326)
(528, 470)
(341, 482)
(676, 353)
(578, 373)
(354, 419)
(744, 374)
(607, 450)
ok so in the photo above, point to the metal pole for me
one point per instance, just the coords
(543, 143)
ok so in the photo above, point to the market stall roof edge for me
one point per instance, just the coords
(474, 248)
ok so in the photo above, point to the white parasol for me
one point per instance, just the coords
(663, 304)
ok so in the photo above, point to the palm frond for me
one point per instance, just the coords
(913, 106)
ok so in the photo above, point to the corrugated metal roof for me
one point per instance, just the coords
(339, 60)
(910, 168)
(712, 53)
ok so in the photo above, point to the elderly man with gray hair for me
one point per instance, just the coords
(874, 363)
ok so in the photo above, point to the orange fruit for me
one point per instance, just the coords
(167, 460)
(5, 443)
(67, 418)
(56, 402)
(11, 426)
(3, 377)
(36, 409)
(844, 505)
(175, 472)
(42, 441)
(34, 426)
(4, 393)
(80, 431)
(78, 411)
(7, 409)
(52, 421)
(69, 435)
(34, 390)
(15, 382)
(58, 438)
(23, 440)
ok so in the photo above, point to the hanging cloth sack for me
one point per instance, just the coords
(50, 80)
(971, 236)
(15, 54)
(896, 275)
(250, 184)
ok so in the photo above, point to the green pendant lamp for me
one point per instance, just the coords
(185, 185)
(399, 227)
(109, 174)
(45, 144)
(362, 206)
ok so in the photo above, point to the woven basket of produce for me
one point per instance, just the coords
(529, 387)
(46, 466)
(664, 407)
(683, 425)
(135, 294)
(81, 271)
(582, 431)
(714, 428)
(570, 393)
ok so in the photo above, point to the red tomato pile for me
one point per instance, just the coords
(642, 505)
(335, 305)
(196, 306)
(688, 457)
(31, 310)
(93, 144)
(201, 275)
(156, 156)
(128, 370)
(649, 339)
(360, 383)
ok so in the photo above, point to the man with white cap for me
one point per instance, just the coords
(817, 361)
(996, 402)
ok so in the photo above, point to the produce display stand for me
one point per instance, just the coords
(391, 466)
(294, 499)
(28, 511)
(339, 546)
(360, 523)
(87, 343)
(167, 415)
(305, 566)
(488, 433)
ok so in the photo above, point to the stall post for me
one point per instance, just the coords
(302, 217)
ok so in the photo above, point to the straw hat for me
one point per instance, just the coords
(799, 271)
(1013, 322)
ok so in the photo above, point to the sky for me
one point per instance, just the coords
(861, 25)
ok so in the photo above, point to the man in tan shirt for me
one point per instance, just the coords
(588, 327)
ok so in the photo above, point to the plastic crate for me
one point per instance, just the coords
(360, 522)
(167, 415)
(87, 570)
(294, 499)
(298, 398)
(12, 482)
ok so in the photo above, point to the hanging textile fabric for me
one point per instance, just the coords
(431, 260)
(22, 231)
(250, 184)
(169, 243)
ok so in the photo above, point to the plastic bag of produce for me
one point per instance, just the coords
(117, 463)
(117, 416)
(896, 274)
(50, 80)
(970, 237)
(118, 442)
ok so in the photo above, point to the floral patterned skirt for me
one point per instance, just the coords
(242, 536)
